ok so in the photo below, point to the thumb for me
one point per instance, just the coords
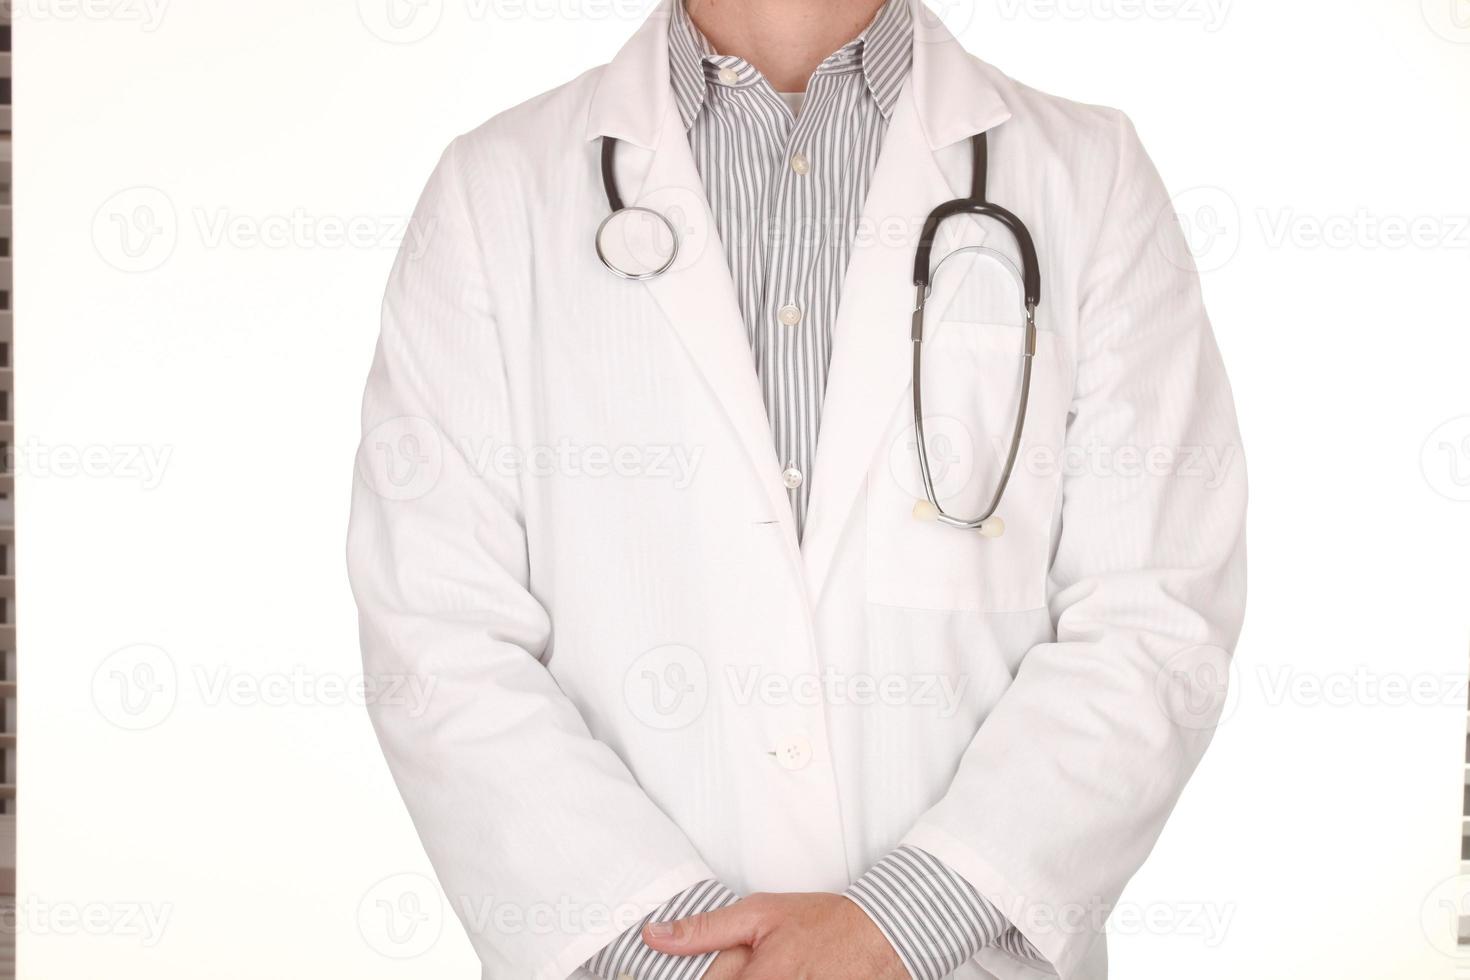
(733, 925)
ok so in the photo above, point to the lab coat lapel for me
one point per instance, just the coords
(948, 98)
(655, 168)
(698, 297)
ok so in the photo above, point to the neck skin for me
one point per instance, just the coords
(784, 39)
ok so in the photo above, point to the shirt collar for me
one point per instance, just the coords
(883, 52)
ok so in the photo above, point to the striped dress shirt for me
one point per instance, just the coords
(787, 191)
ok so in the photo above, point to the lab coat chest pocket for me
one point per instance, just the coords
(971, 387)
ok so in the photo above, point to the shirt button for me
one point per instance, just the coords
(729, 76)
(789, 315)
(800, 163)
(791, 476)
(794, 752)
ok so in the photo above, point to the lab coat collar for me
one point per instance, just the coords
(633, 95)
(955, 94)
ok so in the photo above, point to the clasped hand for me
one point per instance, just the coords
(791, 936)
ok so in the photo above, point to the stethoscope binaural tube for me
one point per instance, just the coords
(616, 209)
(988, 523)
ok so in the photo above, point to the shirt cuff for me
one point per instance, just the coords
(935, 919)
(628, 958)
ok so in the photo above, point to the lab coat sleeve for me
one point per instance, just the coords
(1066, 786)
(543, 842)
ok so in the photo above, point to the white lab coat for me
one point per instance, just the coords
(570, 520)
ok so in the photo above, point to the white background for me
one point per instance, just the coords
(198, 798)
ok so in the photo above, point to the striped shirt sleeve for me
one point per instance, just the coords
(935, 919)
(627, 958)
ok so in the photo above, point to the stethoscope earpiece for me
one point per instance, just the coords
(925, 511)
(991, 527)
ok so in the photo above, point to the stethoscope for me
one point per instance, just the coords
(617, 210)
(989, 523)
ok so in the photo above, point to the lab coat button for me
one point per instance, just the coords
(729, 76)
(789, 315)
(791, 476)
(800, 163)
(794, 752)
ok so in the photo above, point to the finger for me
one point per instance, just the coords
(733, 925)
